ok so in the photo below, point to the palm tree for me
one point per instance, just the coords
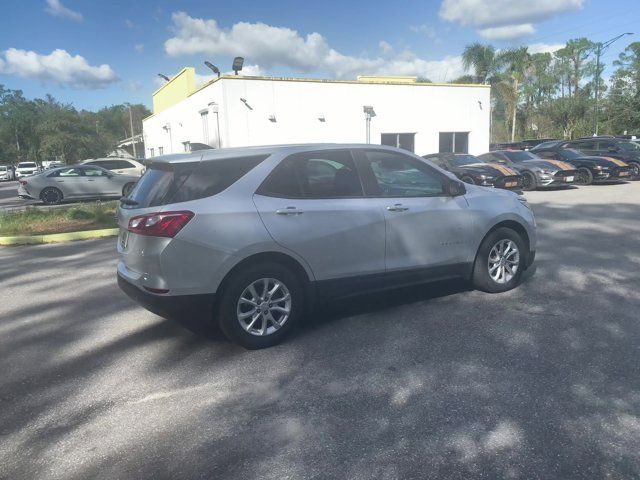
(517, 63)
(482, 59)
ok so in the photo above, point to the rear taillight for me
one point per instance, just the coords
(22, 182)
(164, 224)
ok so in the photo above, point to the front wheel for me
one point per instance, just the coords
(529, 181)
(51, 196)
(259, 305)
(500, 261)
(634, 171)
(584, 176)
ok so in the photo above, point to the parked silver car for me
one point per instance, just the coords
(75, 183)
(264, 232)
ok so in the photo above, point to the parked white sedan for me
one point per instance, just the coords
(74, 183)
(123, 166)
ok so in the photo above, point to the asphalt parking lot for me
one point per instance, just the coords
(9, 196)
(433, 382)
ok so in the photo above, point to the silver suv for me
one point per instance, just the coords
(264, 232)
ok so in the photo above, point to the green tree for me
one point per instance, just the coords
(482, 59)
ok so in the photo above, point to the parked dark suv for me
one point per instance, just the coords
(619, 148)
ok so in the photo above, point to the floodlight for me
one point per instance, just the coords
(213, 68)
(237, 64)
(164, 77)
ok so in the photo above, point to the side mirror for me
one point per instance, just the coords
(455, 188)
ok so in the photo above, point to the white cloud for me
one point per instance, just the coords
(509, 32)
(57, 9)
(129, 23)
(58, 67)
(139, 47)
(545, 47)
(493, 18)
(271, 46)
(385, 47)
(427, 30)
(134, 86)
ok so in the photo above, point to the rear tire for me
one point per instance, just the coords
(252, 319)
(584, 176)
(634, 169)
(529, 181)
(492, 274)
(51, 196)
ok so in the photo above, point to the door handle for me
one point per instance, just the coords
(397, 208)
(289, 211)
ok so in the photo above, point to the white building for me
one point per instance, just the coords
(233, 111)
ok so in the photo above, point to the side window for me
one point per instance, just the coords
(549, 155)
(606, 145)
(94, 172)
(492, 158)
(65, 172)
(329, 174)
(585, 145)
(400, 176)
(326, 174)
(282, 182)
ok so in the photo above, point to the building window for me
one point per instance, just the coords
(406, 141)
(186, 146)
(204, 116)
(151, 152)
(454, 142)
(160, 150)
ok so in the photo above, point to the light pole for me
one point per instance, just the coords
(600, 48)
(369, 113)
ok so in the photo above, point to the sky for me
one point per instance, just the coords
(94, 54)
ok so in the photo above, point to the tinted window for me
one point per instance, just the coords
(400, 176)
(606, 145)
(584, 145)
(120, 164)
(326, 174)
(27, 165)
(459, 160)
(550, 155)
(519, 156)
(165, 183)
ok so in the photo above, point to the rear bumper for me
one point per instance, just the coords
(167, 306)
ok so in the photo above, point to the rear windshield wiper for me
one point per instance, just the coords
(128, 201)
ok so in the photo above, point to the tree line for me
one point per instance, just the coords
(552, 95)
(45, 129)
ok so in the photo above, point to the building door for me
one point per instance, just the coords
(406, 141)
(454, 142)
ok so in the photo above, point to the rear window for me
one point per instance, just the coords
(181, 182)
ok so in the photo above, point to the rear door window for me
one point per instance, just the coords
(166, 183)
(323, 174)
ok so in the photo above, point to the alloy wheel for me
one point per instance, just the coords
(504, 261)
(51, 196)
(264, 307)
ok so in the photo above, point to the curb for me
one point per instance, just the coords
(58, 237)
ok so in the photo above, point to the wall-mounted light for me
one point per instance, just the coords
(164, 77)
(272, 118)
(480, 104)
(244, 100)
(322, 119)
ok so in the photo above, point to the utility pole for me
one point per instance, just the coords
(600, 48)
(133, 141)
